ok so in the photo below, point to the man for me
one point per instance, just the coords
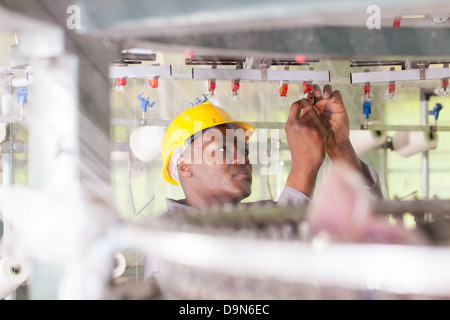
(211, 164)
(213, 169)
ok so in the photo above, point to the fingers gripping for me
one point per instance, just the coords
(312, 118)
(297, 107)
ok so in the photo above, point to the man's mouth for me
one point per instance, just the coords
(243, 173)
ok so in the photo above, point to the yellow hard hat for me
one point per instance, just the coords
(189, 122)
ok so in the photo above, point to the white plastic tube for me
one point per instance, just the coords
(12, 275)
(124, 260)
(22, 81)
(407, 143)
(365, 140)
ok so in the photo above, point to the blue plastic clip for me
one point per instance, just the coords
(145, 102)
(22, 94)
(367, 108)
(437, 108)
(198, 101)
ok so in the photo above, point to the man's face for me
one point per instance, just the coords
(220, 165)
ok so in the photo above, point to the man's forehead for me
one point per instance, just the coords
(227, 132)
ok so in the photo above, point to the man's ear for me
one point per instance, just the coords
(183, 167)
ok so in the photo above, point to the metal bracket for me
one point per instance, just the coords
(419, 73)
(140, 71)
(263, 66)
(255, 75)
(364, 126)
(422, 68)
(12, 146)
